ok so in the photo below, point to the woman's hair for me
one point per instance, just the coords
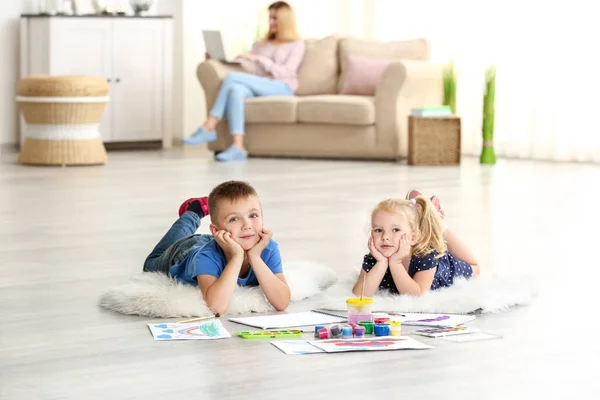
(287, 30)
(423, 220)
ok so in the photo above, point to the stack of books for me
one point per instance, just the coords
(443, 111)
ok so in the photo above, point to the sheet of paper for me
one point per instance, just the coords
(471, 337)
(439, 320)
(288, 320)
(296, 347)
(379, 343)
(204, 330)
(440, 332)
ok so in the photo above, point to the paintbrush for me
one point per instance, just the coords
(362, 290)
(185, 321)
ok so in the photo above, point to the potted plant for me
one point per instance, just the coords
(488, 155)
(449, 75)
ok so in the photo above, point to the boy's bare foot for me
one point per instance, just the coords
(198, 205)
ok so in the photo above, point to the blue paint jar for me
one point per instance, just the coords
(347, 332)
(317, 329)
(382, 330)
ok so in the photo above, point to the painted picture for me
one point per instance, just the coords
(213, 329)
(369, 344)
(433, 320)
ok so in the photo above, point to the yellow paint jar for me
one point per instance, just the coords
(395, 328)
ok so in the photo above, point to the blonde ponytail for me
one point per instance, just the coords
(431, 229)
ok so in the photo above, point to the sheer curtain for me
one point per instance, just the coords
(546, 63)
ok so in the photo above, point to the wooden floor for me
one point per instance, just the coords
(66, 234)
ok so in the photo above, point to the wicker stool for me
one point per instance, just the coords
(63, 115)
(434, 140)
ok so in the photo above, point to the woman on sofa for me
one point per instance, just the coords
(274, 62)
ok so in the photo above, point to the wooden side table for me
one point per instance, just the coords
(434, 140)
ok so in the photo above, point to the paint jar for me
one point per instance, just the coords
(382, 330)
(335, 331)
(353, 326)
(395, 328)
(381, 320)
(359, 309)
(347, 332)
(323, 333)
(359, 332)
(317, 329)
(368, 325)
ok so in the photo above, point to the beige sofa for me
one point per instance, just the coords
(321, 123)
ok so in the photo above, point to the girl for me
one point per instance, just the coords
(411, 251)
(274, 61)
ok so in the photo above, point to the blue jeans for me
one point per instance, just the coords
(176, 244)
(236, 87)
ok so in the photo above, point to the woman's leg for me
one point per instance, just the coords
(244, 86)
(206, 133)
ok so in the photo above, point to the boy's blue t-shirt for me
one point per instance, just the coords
(210, 260)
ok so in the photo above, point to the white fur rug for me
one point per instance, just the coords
(486, 294)
(157, 296)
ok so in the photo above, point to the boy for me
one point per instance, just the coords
(238, 252)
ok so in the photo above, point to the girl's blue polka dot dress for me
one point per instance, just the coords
(448, 267)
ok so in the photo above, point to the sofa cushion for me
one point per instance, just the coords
(414, 49)
(337, 109)
(318, 72)
(363, 74)
(271, 109)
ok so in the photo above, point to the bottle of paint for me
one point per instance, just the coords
(359, 309)
(317, 329)
(381, 320)
(368, 325)
(347, 332)
(382, 330)
(335, 331)
(323, 333)
(359, 332)
(395, 328)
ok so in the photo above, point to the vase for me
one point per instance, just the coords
(141, 7)
(449, 79)
(488, 154)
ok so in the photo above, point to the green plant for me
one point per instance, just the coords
(450, 87)
(488, 155)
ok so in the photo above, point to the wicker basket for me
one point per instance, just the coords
(434, 140)
(63, 115)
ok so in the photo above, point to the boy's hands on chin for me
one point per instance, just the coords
(230, 247)
(265, 238)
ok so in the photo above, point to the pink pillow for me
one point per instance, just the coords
(363, 74)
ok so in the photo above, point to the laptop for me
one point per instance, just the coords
(214, 47)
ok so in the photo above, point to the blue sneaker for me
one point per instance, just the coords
(233, 153)
(201, 136)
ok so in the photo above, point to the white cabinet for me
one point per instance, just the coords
(133, 54)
